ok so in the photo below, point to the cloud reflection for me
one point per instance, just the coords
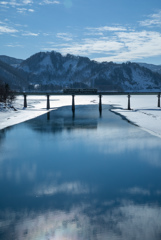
(125, 222)
(69, 187)
(137, 190)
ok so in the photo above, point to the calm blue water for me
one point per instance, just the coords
(82, 177)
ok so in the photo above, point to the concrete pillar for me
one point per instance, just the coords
(100, 103)
(48, 102)
(25, 101)
(158, 99)
(73, 104)
(128, 106)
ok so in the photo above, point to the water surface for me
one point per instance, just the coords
(79, 177)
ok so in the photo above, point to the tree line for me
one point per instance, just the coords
(6, 94)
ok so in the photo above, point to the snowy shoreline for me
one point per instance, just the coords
(144, 113)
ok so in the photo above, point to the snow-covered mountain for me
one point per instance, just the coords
(152, 67)
(52, 71)
(14, 62)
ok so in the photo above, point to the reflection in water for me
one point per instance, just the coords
(73, 114)
(64, 119)
(100, 111)
(65, 176)
(48, 116)
(124, 222)
(2, 135)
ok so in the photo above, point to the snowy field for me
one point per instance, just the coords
(144, 113)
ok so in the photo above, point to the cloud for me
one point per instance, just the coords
(137, 45)
(153, 19)
(50, 2)
(16, 3)
(108, 28)
(30, 34)
(23, 10)
(117, 46)
(21, 6)
(65, 36)
(27, 2)
(5, 29)
(89, 46)
(100, 31)
(14, 45)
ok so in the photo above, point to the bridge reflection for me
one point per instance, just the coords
(86, 117)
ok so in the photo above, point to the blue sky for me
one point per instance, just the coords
(104, 30)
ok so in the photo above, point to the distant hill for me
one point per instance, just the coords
(14, 62)
(12, 76)
(52, 71)
(152, 67)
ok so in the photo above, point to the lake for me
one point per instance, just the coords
(82, 176)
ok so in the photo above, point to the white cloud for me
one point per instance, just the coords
(14, 45)
(153, 19)
(89, 46)
(65, 36)
(108, 28)
(31, 10)
(23, 10)
(5, 29)
(21, 6)
(30, 34)
(137, 45)
(100, 31)
(49, 2)
(17, 3)
(27, 2)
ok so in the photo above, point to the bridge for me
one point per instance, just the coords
(100, 94)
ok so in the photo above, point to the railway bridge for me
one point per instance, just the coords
(76, 93)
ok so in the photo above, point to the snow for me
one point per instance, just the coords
(144, 113)
(47, 62)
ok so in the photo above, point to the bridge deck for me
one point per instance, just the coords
(98, 93)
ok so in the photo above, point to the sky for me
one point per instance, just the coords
(102, 30)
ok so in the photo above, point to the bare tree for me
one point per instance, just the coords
(6, 94)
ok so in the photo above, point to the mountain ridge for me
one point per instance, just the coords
(53, 71)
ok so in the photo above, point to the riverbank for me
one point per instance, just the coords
(144, 113)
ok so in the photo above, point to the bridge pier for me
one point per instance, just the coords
(73, 104)
(100, 103)
(128, 106)
(25, 101)
(158, 99)
(48, 101)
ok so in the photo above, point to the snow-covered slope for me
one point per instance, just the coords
(152, 67)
